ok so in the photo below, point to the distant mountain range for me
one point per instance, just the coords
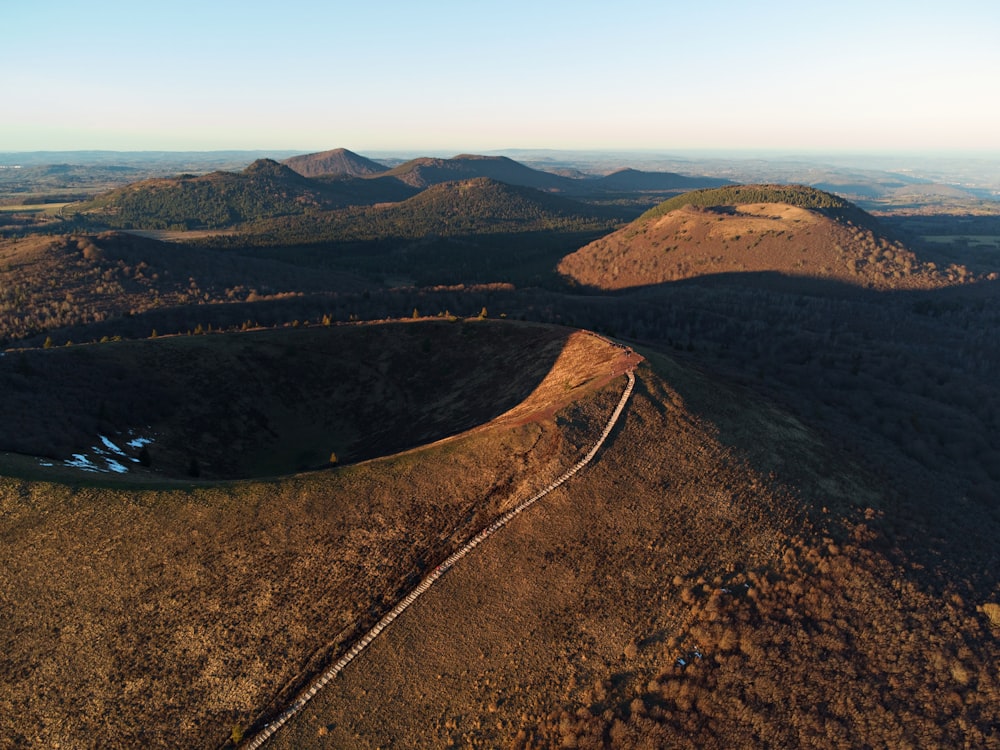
(339, 179)
(637, 180)
(426, 171)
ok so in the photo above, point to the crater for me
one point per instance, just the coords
(275, 402)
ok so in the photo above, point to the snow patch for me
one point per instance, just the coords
(105, 457)
(116, 467)
(80, 461)
(111, 446)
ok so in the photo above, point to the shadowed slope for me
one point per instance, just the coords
(272, 402)
(76, 280)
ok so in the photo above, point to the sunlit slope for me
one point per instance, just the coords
(163, 618)
(715, 577)
(789, 230)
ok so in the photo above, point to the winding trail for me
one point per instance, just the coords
(360, 645)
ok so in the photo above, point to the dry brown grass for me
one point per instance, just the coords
(755, 238)
(163, 618)
(574, 601)
(565, 630)
(166, 618)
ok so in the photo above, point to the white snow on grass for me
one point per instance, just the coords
(116, 467)
(108, 452)
(80, 461)
(111, 446)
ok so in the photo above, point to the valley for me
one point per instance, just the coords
(321, 379)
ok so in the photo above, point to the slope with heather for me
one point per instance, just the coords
(714, 537)
(224, 199)
(66, 282)
(790, 230)
(162, 617)
(708, 582)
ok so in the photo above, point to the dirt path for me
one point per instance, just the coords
(300, 702)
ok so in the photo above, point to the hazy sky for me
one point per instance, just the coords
(474, 76)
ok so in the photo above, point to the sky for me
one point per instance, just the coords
(472, 76)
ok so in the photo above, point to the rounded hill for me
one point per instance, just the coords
(212, 201)
(789, 230)
(339, 162)
(470, 205)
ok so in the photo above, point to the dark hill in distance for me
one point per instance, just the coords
(478, 206)
(637, 180)
(425, 171)
(791, 230)
(480, 203)
(216, 200)
(221, 200)
(338, 162)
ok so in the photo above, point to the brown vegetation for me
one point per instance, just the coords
(568, 630)
(692, 241)
(815, 570)
(165, 617)
(51, 282)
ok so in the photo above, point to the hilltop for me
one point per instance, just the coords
(790, 230)
(337, 162)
